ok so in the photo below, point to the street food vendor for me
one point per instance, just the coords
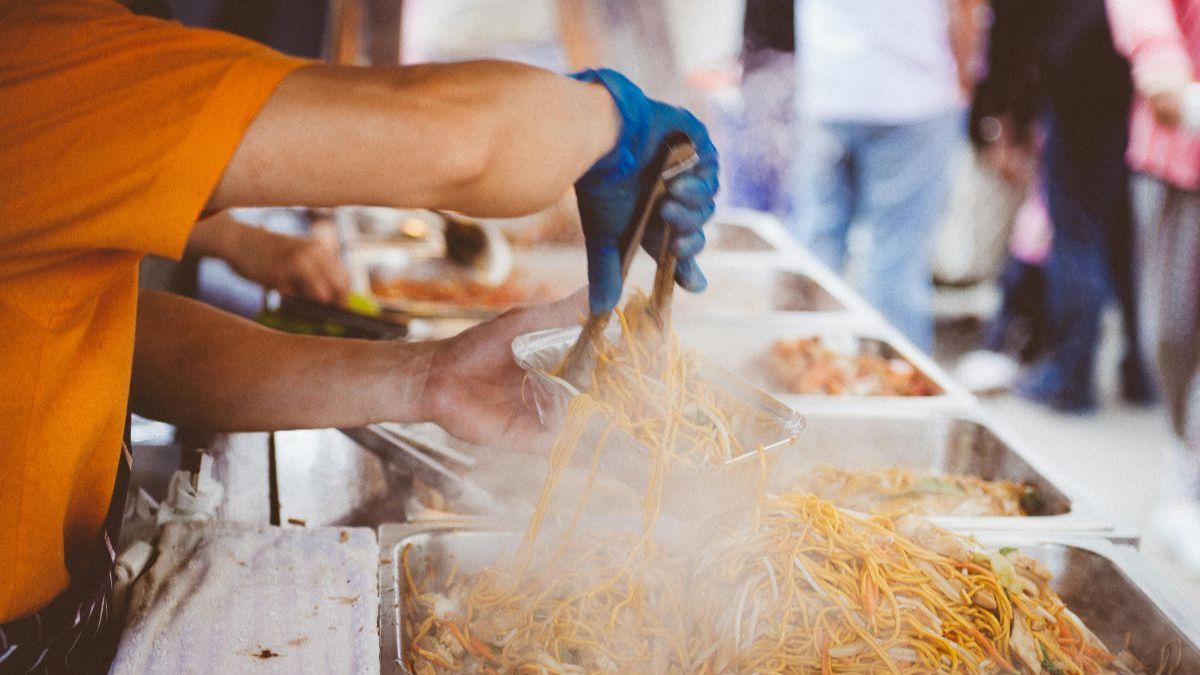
(118, 132)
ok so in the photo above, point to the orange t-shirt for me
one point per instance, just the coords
(114, 130)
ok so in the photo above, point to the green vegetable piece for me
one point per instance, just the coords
(1031, 501)
(1048, 664)
(363, 304)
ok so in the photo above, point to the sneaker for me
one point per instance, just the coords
(985, 372)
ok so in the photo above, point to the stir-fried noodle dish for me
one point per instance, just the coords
(794, 584)
(886, 490)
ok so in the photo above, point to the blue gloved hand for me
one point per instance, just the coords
(608, 192)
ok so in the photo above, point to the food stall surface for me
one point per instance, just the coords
(227, 597)
(313, 478)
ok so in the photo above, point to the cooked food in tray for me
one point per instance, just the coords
(805, 588)
(882, 490)
(460, 292)
(891, 490)
(808, 365)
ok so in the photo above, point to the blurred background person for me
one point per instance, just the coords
(1056, 87)
(1162, 40)
(759, 155)
(881, 91)
(233, 256)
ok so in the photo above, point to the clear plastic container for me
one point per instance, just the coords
(762, 425)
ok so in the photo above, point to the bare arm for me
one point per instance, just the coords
(488, 138)
(1147, 32)
(576, 36)
(290, 264)
(966, 36)
(200, 367)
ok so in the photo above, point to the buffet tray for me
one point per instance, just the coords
(742, 230)
(1112, 587)
(940, 442)
(542, 275)
(857, 437)
(762, 284)
(1109, 586)
(737, 282)
(742, 344)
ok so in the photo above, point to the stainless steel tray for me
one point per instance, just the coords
(1117, 594)
(544, 275)
(732, 236)
(942, 443)
(1108, 585)
(737, 282)
(746, 230)
(742, 346)
(759, 284)
(862, 437)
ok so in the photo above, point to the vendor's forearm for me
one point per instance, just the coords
(214, 236)
(200, 367)
(487, 137)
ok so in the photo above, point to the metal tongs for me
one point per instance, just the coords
(676, 155)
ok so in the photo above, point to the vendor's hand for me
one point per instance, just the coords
(1168, 106)
(291, 265)
(1013, 162)
(608, 192)
(474, 388)
(1009, 154)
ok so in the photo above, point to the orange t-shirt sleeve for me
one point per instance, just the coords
(122, 125)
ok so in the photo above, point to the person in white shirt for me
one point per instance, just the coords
(881, 97)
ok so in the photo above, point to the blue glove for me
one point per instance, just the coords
(608, 192)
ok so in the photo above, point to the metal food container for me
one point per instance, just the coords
(539, 276)
(743, 345)
(863, 438)
(746, 230)
(1109, 586)
(1118, 595)
(732, 236)
(740, 284)
(948, 442)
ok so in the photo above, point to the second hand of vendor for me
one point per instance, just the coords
(119, 132)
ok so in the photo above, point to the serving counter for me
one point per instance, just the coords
(763, 290)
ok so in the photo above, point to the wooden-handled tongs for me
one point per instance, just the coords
(676, 155)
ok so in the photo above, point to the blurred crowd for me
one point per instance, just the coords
(1049, 147)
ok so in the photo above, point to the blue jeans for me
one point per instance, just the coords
(756, 159)
(1091, 263)
(894, 180)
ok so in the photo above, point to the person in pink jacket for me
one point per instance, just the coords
(1161, 38)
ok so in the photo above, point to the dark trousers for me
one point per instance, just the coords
(1092, 261)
